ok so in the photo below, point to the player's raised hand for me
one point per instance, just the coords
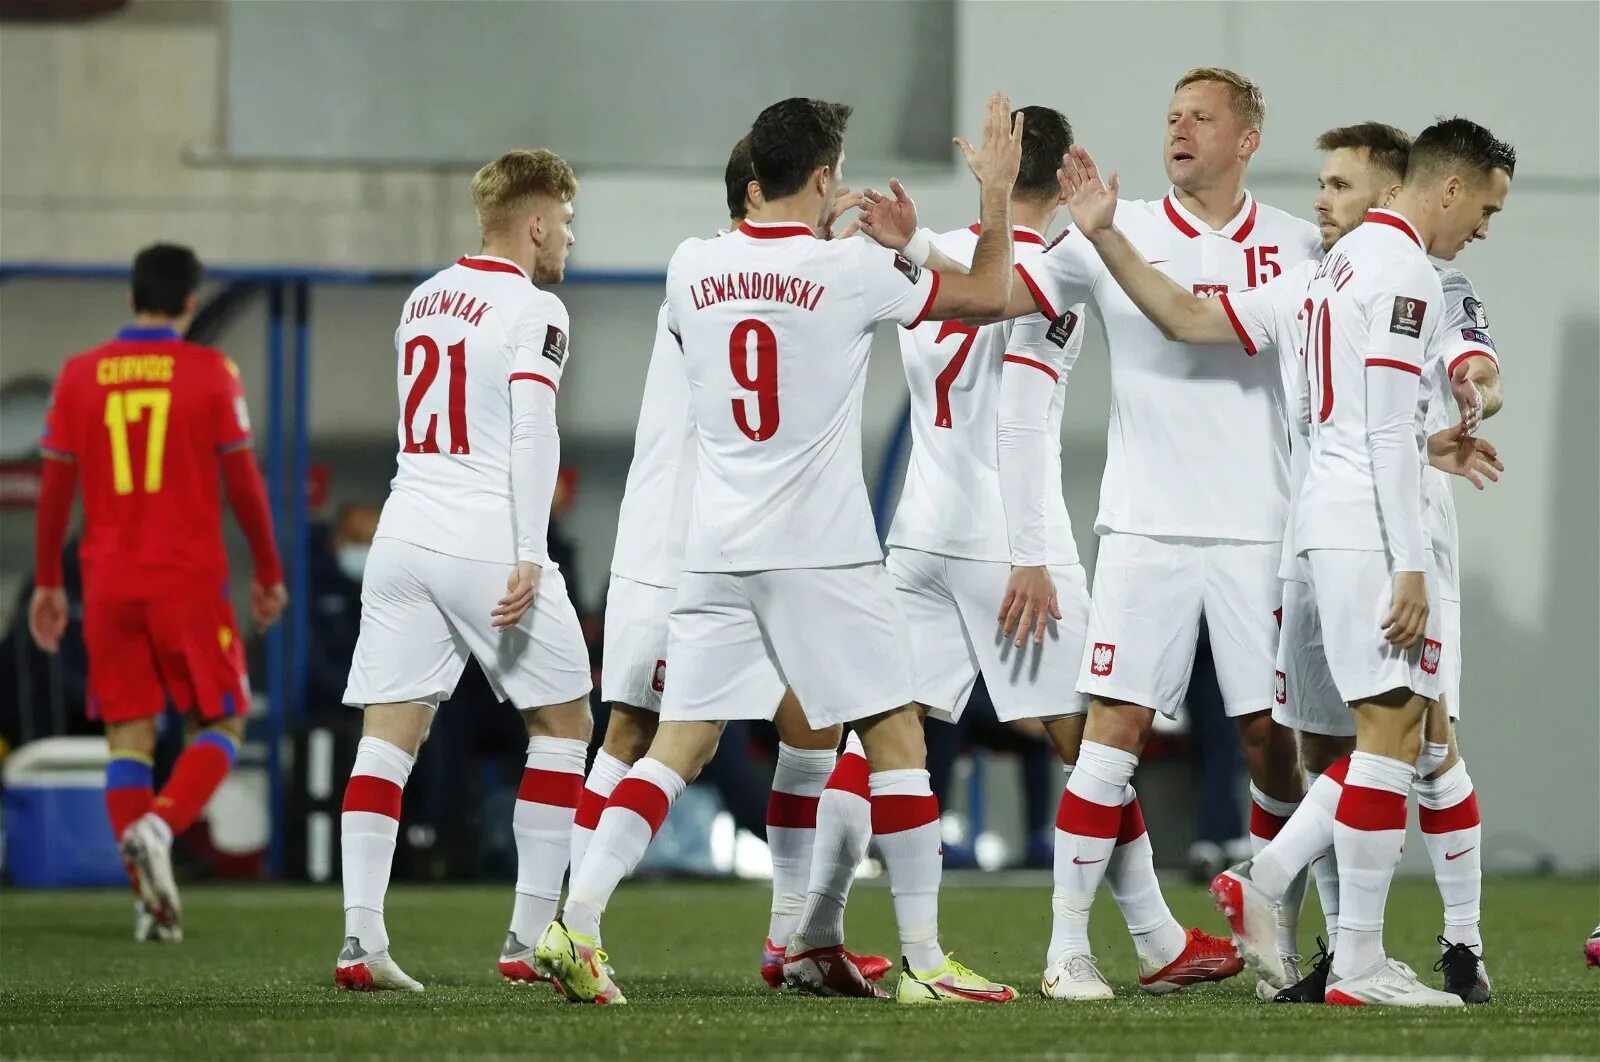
(890, 220)
(1408, 610)
(1029, 605)
(1091, 200)
(1458, 452)
(267, 604)
(47, 617)
(1469, 399)
(522, 588)
(998, 158)
(843, 200)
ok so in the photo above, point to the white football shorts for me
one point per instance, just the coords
(1451, 665)
(423, 613)
(952, 605)
(1144, 620)
(836, 635)
(633, 666)
(1306, 698)
(1354, 592)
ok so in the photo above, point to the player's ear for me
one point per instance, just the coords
(1452, 189)
(1251, 142)
(190, 304)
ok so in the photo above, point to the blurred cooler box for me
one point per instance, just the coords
(56, 830)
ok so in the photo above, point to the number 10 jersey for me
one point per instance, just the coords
(775, 327)
(464, 335)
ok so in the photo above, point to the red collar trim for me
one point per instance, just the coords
(1182, 224)
(491, 265)
(1020, 235)
(780, 230)
(1390, 218)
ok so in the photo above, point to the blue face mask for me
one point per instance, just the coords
(352, 558)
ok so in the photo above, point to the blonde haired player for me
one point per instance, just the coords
(480, 352)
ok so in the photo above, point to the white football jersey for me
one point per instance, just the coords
(655, 500)
(1271, 322)
(1195, 446)
(1463, 334)
(463, 335)
(1376, 308)
(776, 327)
(951, 503)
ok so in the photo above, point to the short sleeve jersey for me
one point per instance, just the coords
(1464, 334)
(146, 418)
(951, 503)
(1195, 444)
(1376, 304)
(464, 334)
(776, 326)
(655, 500)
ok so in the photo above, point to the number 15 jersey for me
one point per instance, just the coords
(464, 335)
(776, 327)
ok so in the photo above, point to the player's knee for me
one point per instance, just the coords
(571, 720)
(894, 741)
(629, 732)
(1318, 752)
(1066, 736)
(232, 727)
(686, 747)
(137, 737)
(404, 726)
(1119, 725)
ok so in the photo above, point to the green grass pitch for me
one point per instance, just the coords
(254, 979)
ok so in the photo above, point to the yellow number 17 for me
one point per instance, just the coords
(124, 408)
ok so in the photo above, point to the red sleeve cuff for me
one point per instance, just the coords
(1238, 328)
(536, 378)
(933, 293)
(1467, 356)
(1018, 359)
(1391, 363)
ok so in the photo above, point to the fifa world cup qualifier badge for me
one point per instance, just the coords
(1406, 320)
(912, 271)
(1061, 329)
(555, 345)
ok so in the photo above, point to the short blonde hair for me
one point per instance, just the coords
(504, 188)
(1244, 94)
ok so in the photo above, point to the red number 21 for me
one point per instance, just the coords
(761, 379)
(947, 376)
(425, 374)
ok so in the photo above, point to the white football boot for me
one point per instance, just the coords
(147, 844)
(1390, 984)
(358, 970)
(1074, 977)
(1253, 917)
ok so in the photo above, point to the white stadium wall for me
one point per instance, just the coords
(144, 89)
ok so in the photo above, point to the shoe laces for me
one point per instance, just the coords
(1077, 963)
(1401, 968)
(1456, 953)
(1322, 955)
(961, 970)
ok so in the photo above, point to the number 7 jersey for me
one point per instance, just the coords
(776, 327)
(464, 334)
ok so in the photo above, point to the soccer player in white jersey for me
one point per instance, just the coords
(1363, 167)
(480, 351)
(1375, 335)
(1195, 487)
(645, 570)
(783, 582)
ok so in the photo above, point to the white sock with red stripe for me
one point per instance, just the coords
(1325, 867)
(1447, 808)
(1131, 876)
(905, 820)
(368, 827)
(1301, 837)
(604, 774)
(844, 829)
(797, 787)
(1268, 817)
(552, 780)
(636, 810)
(1368, 834)
(1088, 820)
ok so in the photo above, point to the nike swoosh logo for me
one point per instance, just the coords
(1457, 855)
(1087, 862)
(988, 996)
(1050, 984)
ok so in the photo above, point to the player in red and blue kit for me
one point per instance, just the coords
(149, 425)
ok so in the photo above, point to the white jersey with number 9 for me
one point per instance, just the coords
(776, 327)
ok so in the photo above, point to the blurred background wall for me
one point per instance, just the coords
(344, 134)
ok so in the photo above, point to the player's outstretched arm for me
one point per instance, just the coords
(1180, 314)
(986, 291)
(1027, 385)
